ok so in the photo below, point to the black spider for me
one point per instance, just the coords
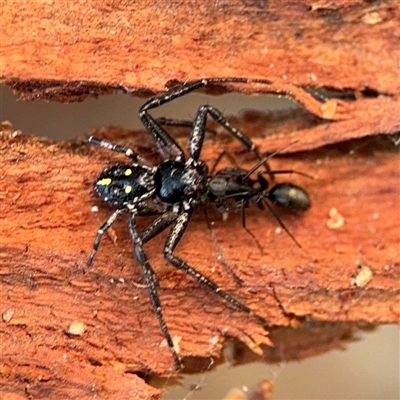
(176, 186)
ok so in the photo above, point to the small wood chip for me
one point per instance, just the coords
(7, 315)
(336, 220)
(76, 328)
(364, 276)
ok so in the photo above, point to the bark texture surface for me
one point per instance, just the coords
(72, 332)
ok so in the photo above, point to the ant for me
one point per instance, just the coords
(236, 184)
(178, 185)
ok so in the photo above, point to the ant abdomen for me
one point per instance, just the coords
(290, 195)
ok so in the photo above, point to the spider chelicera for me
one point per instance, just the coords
(179, 184)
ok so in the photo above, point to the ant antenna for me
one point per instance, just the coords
(289, 171)
(261, 162)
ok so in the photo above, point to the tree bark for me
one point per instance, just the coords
(72, 332)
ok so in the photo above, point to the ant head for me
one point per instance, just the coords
(262, 181)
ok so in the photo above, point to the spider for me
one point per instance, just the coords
(175, 187)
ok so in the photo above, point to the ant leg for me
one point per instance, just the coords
(102, 230)
(283, 226)
(173, 239)
(152, 286)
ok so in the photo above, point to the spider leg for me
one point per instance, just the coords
(147, 208)
(152, 286)
(185, 88)
(221, 257)
(166, 145)
(102, 230)
(115, 148)
(181, 123)
(172, 94)
(173, 239)
(197, 136)
(158, 225)
(165, 142)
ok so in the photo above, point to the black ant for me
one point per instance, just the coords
(232, 189)
(175, 187)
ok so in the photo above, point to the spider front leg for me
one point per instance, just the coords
(180, 123)
(164, 141)
(198, 132)
(166, 145)
(173, 239)
(152, 286)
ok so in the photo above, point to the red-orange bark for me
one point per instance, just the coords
(47, 286)
(65, 51)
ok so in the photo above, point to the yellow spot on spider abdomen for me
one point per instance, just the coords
(128, 189)
(104, 182)
(128, 172)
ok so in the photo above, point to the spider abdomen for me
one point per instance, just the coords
(121, 184)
